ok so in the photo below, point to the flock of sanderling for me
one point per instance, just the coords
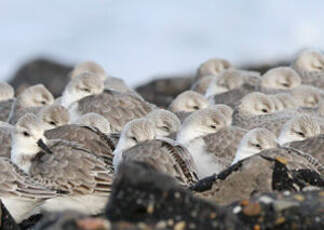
(63, 153)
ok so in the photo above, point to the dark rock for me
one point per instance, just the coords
(162, 91)
(153, 198)
(272, 170)
(30, 222)
(71, 220)
(264, 67)
(141, 194)
(6, 220)
(50, 73)
(233, 97)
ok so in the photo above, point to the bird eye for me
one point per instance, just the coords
(213, 126)
(134, 139)
(301, 134)
(43, 102)
(52, 123)
(264, 110)
(26, 134)
(196, 107)
(258, 146)
(285, 85)
(86, 90)
(166, 128)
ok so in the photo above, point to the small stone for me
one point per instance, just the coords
(237, 209)
(177, 195)
(142, 225)
(282, 205)
(244, 202)
(161, 224)
(93, 224)
(252, 209)
(194, 214)
(180, 226)
(212, 215)
(170, 222)
(299, 197)
(310, 188)
(280, 220)
(150, 208)
(286, 193)
(266, 199)
(192, 226)
(282, 160)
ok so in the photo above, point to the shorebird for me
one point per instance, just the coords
(95, 120)
(299, 128)
(281, 78)
(233, 96)
(309, 64)
(273, 82)
(63, 166)
(202, 85)
(166, 156)
(53, 116)
(50, 117)
(228, 80)
(20, 193)
(134, 132)
(89, 67)
(307, 96)
(31, 99)
(192, 135)
(117, 108)
(6, 91)
(110, 83)
(283, 101)
(188, 101)
(81, 86)
(166, 123)
(253, 142)
(311, 145)
(226, 111)
(213, 66)
(251, 106)
(92, 131)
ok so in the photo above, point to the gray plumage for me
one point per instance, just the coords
(20, 193)
(21, 112)
(5, 109)
(166, 157)
(313, 146)
(90, 138)
(73, 169)
(223, 144)
(117, 108)
(5, 140)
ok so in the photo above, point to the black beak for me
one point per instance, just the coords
(43, 146)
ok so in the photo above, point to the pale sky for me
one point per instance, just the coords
(137, 39)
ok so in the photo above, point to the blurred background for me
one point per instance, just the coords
(136, 40)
